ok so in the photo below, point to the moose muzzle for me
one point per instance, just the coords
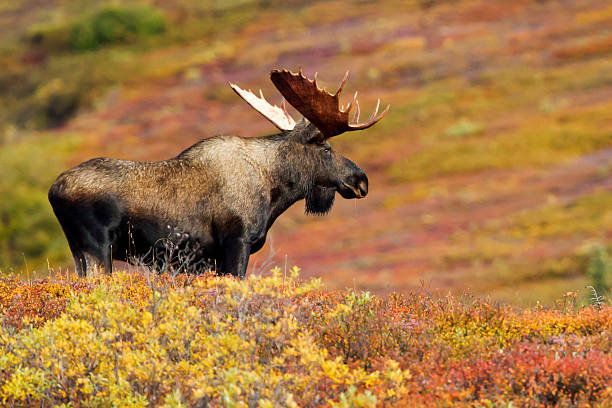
(355, 187)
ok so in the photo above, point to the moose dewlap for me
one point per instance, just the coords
(215, 201)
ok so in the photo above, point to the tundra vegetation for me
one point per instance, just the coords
(140, 340)
(492, 171)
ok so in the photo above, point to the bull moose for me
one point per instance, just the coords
(219, 197)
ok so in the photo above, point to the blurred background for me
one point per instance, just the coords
(492, 172)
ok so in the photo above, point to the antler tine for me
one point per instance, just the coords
(350, 105)
(356, 115)
(372, 119)
(375, 111)
(342, 84)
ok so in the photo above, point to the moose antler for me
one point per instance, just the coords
(319, 106)
(277, 115)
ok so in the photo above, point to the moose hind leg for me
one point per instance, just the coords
(74, 243)
(80, 261)
(93, 250)
(90, 247)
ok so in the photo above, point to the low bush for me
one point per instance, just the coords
(141, 340)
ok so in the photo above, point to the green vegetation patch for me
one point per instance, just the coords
(110, 25)
(600, 275)
(463, 128)
(30, 236)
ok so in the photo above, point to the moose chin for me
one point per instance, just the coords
(218, 198)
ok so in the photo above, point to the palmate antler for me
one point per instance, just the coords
(277, 115)
(320, 107)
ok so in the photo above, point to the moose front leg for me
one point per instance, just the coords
(236, 254)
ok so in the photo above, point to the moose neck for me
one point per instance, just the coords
(292, 175)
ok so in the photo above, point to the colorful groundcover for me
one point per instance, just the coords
(144, 340)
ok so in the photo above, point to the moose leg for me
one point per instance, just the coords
(236, 254)
(107, 261)
(101, 256)
(80, 263)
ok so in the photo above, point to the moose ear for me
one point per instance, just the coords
(305, 133)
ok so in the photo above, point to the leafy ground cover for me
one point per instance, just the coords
(139, 340)
(492, 170)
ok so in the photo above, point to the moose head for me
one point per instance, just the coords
(324, 118)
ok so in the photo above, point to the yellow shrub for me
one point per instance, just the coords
(221, 341)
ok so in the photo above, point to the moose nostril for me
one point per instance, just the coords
(363, 188)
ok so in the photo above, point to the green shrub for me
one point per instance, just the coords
(115, 25)
(599, 272)
(110, 25)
